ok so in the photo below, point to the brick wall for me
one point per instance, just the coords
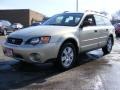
(23, 16)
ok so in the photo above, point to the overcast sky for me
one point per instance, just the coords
(51, 7)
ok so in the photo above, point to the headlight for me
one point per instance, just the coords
(39, 40)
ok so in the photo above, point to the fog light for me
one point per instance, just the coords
(34, 57)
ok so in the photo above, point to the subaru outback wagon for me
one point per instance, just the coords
(61, 38)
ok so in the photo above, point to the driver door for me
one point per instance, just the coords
(88, 34)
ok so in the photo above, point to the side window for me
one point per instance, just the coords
(99, 20)
(89, 21)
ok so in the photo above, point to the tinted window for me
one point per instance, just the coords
(89, 21)
(65, 19)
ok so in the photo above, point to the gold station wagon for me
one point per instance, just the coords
(61, 38)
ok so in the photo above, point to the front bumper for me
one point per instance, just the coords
(39, 53)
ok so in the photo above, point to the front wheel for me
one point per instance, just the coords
(107, 49)
(67, 56)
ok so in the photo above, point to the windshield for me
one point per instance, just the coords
(65, 19)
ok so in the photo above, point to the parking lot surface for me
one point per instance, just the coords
(94, 72)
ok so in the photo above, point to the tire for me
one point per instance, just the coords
(108, 47)
(67, 57)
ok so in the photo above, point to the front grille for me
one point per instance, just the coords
(15, 41)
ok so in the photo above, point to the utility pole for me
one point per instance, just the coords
(76, 5)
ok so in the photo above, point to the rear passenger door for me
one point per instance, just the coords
(102, 29)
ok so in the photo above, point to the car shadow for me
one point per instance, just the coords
(14, 75)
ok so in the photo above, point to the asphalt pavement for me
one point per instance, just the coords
(94, 72)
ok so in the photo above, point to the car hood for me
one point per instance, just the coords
(36, 31)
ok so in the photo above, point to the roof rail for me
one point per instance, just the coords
(65, 11)
(94, 11)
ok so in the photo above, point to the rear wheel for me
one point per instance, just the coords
(67, 56)
(107, 49)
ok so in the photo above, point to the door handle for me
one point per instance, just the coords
(106, 29)
(95, 31)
